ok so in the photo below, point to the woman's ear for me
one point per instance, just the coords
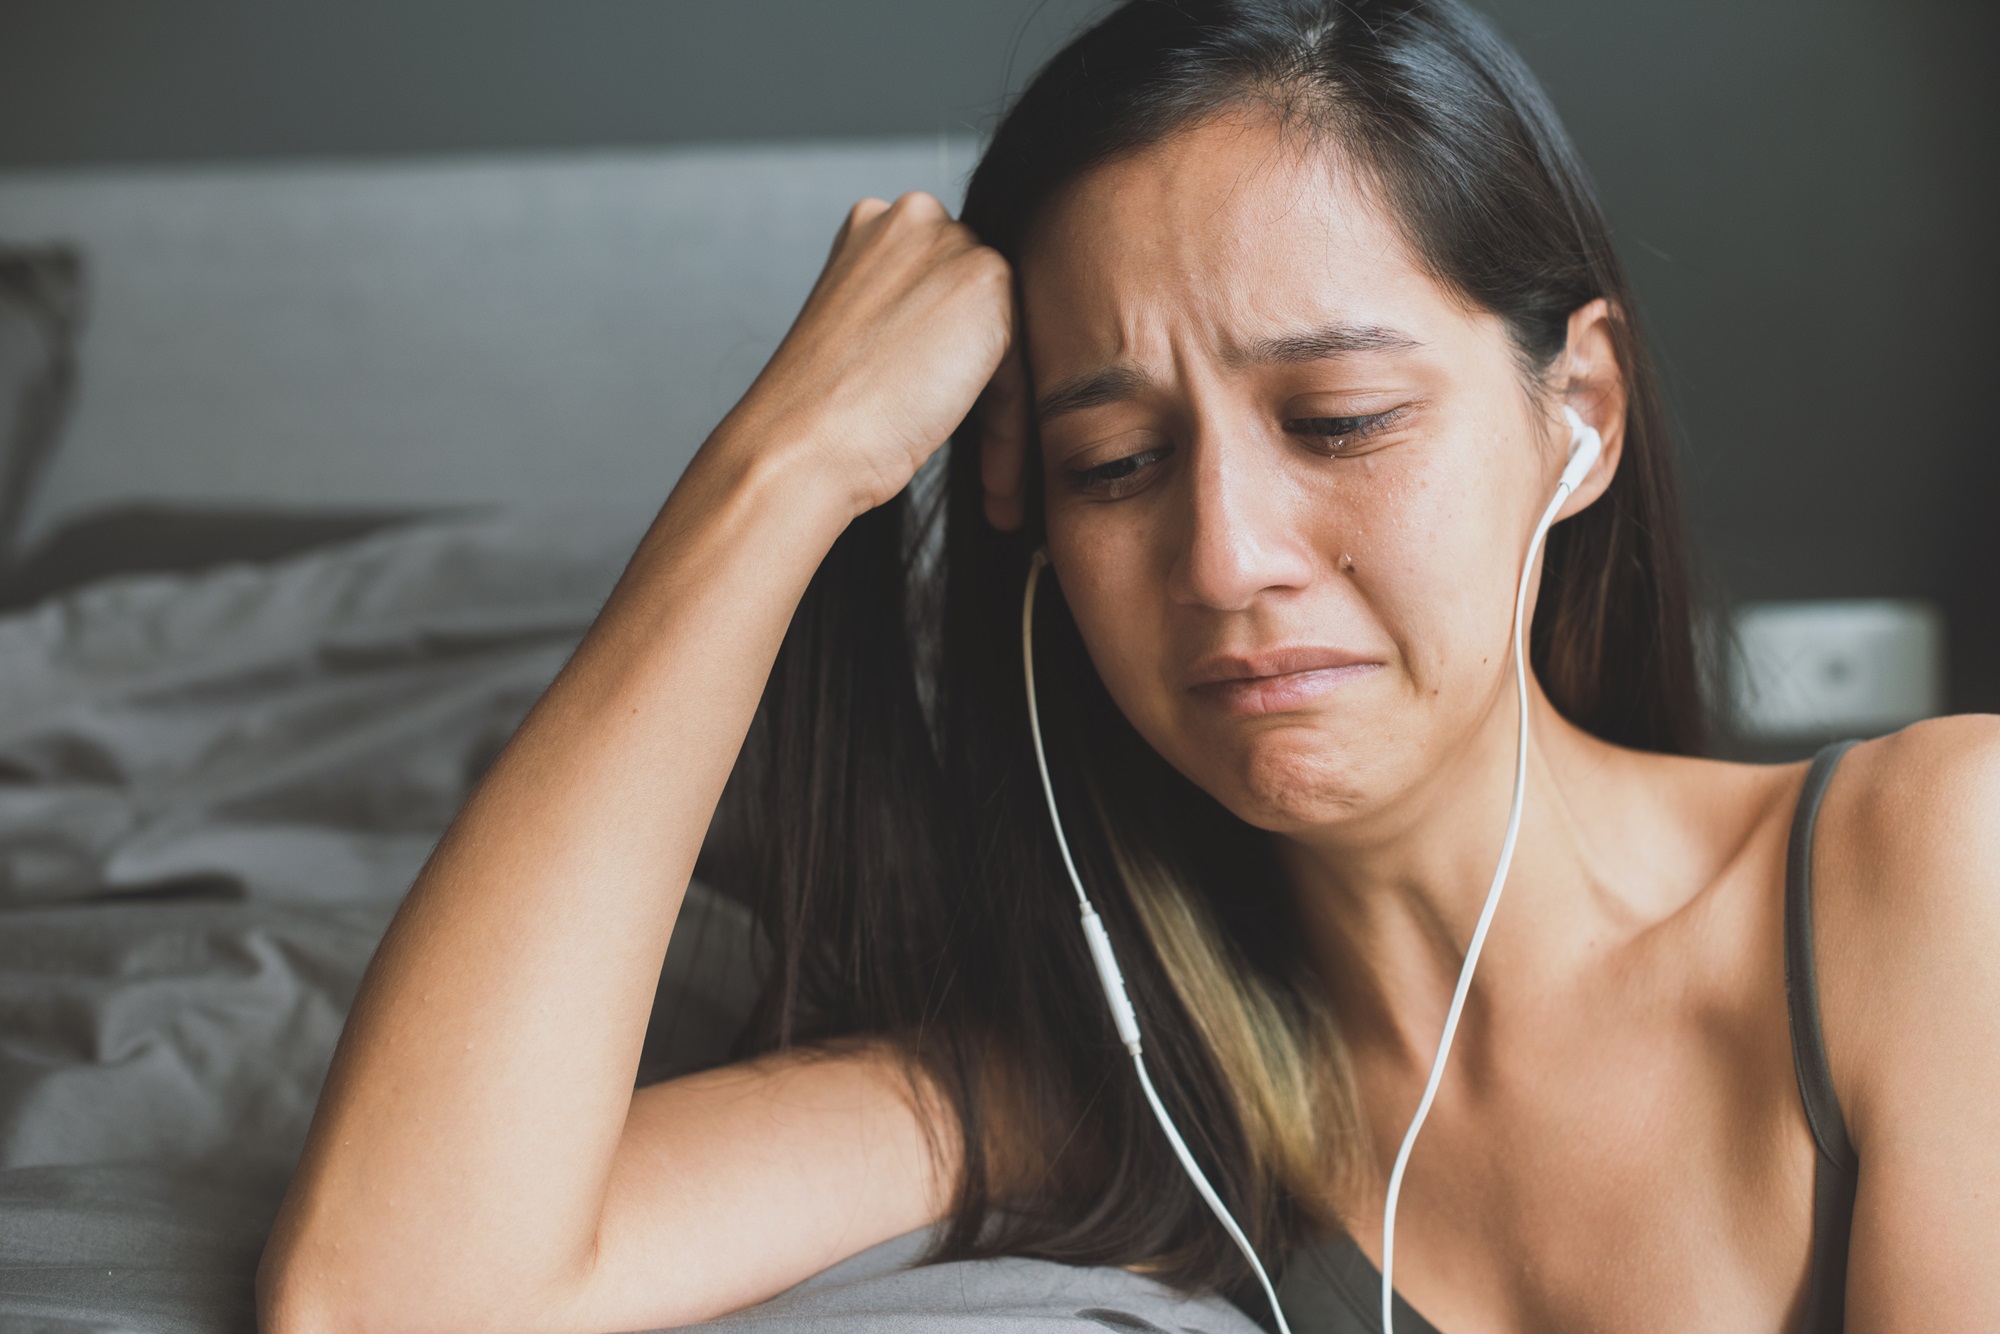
(1003, 439)
(1592, 381)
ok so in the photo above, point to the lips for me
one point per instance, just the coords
(1276, 680)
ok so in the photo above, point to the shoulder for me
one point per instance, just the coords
(1954, 758)
(1907, 928)
(1911, 825)
(1906, 870)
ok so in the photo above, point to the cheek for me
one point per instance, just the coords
(1426, 552)
(1113, 579)
(1113, 594)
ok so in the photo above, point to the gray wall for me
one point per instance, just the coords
(1804, 188)
(132, 80)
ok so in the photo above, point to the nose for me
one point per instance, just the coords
(1241, 527)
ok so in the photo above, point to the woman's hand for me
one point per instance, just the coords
(905, 327)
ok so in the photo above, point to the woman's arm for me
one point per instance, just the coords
(479, 1159)
(1907, 926)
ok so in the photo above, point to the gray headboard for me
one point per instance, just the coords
(524, 331)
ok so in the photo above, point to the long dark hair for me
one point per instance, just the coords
(884, 817)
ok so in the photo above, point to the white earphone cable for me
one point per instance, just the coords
(1571, 476)
(1111, 979)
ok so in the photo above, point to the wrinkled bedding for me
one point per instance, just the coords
(214, 789)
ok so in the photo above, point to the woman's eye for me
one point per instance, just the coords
(1119, 477)
(1338, 435)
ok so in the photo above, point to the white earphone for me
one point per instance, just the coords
(1585, 446)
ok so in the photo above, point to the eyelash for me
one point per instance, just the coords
(1103, 480)
(1352, 428)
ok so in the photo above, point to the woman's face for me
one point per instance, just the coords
(1289, 477)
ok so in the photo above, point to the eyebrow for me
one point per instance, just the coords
(1092, 389)
(1331, 340)
(1114, 384)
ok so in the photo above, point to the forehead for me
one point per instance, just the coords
(1230, 232)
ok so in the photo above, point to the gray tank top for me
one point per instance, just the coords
(1330, 1287)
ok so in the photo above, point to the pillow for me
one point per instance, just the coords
(41, 307)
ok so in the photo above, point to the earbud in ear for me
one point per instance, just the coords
(1585, 444)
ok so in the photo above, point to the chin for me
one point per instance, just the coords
(1293, 778)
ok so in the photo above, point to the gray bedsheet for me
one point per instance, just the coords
(880, 1290)
(214, 789)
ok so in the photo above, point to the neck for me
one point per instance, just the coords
(1390, 902)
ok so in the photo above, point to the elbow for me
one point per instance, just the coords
(290, 1303)
(309, 1284)
(306, 1287)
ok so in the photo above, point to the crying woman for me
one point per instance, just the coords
(1273, 327)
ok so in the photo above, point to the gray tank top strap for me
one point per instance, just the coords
(1836, 1168)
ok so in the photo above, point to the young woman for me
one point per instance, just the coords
(1261, 318)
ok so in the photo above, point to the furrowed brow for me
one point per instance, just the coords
(1116, 383)
(1332, 340)
(1091, 390)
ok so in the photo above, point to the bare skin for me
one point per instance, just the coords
(1289, 522)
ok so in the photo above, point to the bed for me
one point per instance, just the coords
(269, 608)
(214, 787)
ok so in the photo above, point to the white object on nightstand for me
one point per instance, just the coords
(1823, 669)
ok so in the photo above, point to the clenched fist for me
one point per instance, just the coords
(906, 327)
